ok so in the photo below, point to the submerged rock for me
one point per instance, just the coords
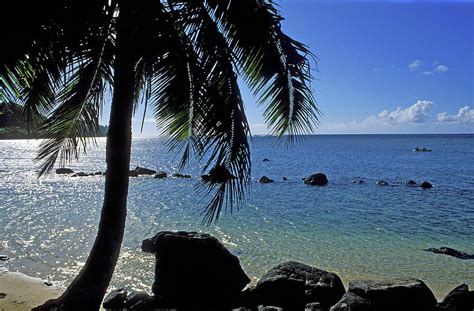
(80, 174)
(318, 179)
(292, 285)
(358, 180)
(265, 180)
(4, 258)
(426, 185)
(284, 178)
(266, 160)
(410, 183)
(178, 175)
(381, 182)
(161, 174)
(194, 270)
(144, 171)
(458, 299)
(64, 170)
(406, 294)
(451, 252)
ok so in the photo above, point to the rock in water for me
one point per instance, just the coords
(410, 183)
(358, 181)
(405, 294)
(144, 171)
(426, 185)
(451, 252)
(382, 183)
(458, 299)
(318, 179)
(313, 306)
(132, 173)
(160, 174)
(64, 170)
(351, 302)
(266, 160)
(194, 270)
(265, 180)
(115, 299)
(292, 285)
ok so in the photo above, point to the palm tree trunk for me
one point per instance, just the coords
(88, 288)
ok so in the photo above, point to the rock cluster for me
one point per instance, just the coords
(194, 271)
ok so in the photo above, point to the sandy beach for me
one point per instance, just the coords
(20, 292)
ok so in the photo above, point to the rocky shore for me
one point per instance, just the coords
(194, 271)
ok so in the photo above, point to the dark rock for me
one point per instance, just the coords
(3, 295)
(161, 174)
(98, 173)
(269, 308)
(381, 182)
(266, 160)
(178, 175)
(132, 173)
(292, 285)
(451, 252)
(48, 283)
(358, 181)
(91, 174)
(218, 174)
(406, 294)
(140, 301)
(318, 179)
(241, 309)
(457, 299)
(410, 183)
(4, 258)
(351, 302)
(313, 306)
(115, 299)
(80, 174)
(144, 171)
(194, 270)
(265, 180)
(284, 178)
(64, 170)
(426, 185)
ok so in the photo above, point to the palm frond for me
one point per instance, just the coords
(275, 66)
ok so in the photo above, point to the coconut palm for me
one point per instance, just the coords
(180, 58)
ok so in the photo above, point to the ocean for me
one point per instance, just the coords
(358, 231)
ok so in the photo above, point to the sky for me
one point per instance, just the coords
(383, 67)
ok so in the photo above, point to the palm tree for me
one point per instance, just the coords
(179, 57)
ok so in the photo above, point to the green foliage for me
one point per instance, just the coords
(188, 54)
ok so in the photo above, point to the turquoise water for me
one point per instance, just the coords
(355, 230)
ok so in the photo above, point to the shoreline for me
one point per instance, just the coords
(23, 292)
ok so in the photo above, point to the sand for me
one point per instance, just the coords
(23, 292)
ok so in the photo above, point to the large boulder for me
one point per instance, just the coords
(132, 173)
(144, 171)
(351, 302)
(64, 170)
(116, 299)
(318, 179)
(194, 270)
(406, 294)
(457, 300)
(292, 285)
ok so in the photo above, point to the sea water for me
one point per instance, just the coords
(358, 231)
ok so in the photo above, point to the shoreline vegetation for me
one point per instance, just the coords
(13, 124)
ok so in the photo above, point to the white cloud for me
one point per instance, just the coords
(441, 68)
(436, 63)
(464, 115)
(428, 73)
(416, 113)
(414, 65)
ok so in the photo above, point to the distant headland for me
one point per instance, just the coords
(13, 124)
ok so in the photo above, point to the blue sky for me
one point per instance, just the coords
(384, 67)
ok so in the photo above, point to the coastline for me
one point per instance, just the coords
(23, 292)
